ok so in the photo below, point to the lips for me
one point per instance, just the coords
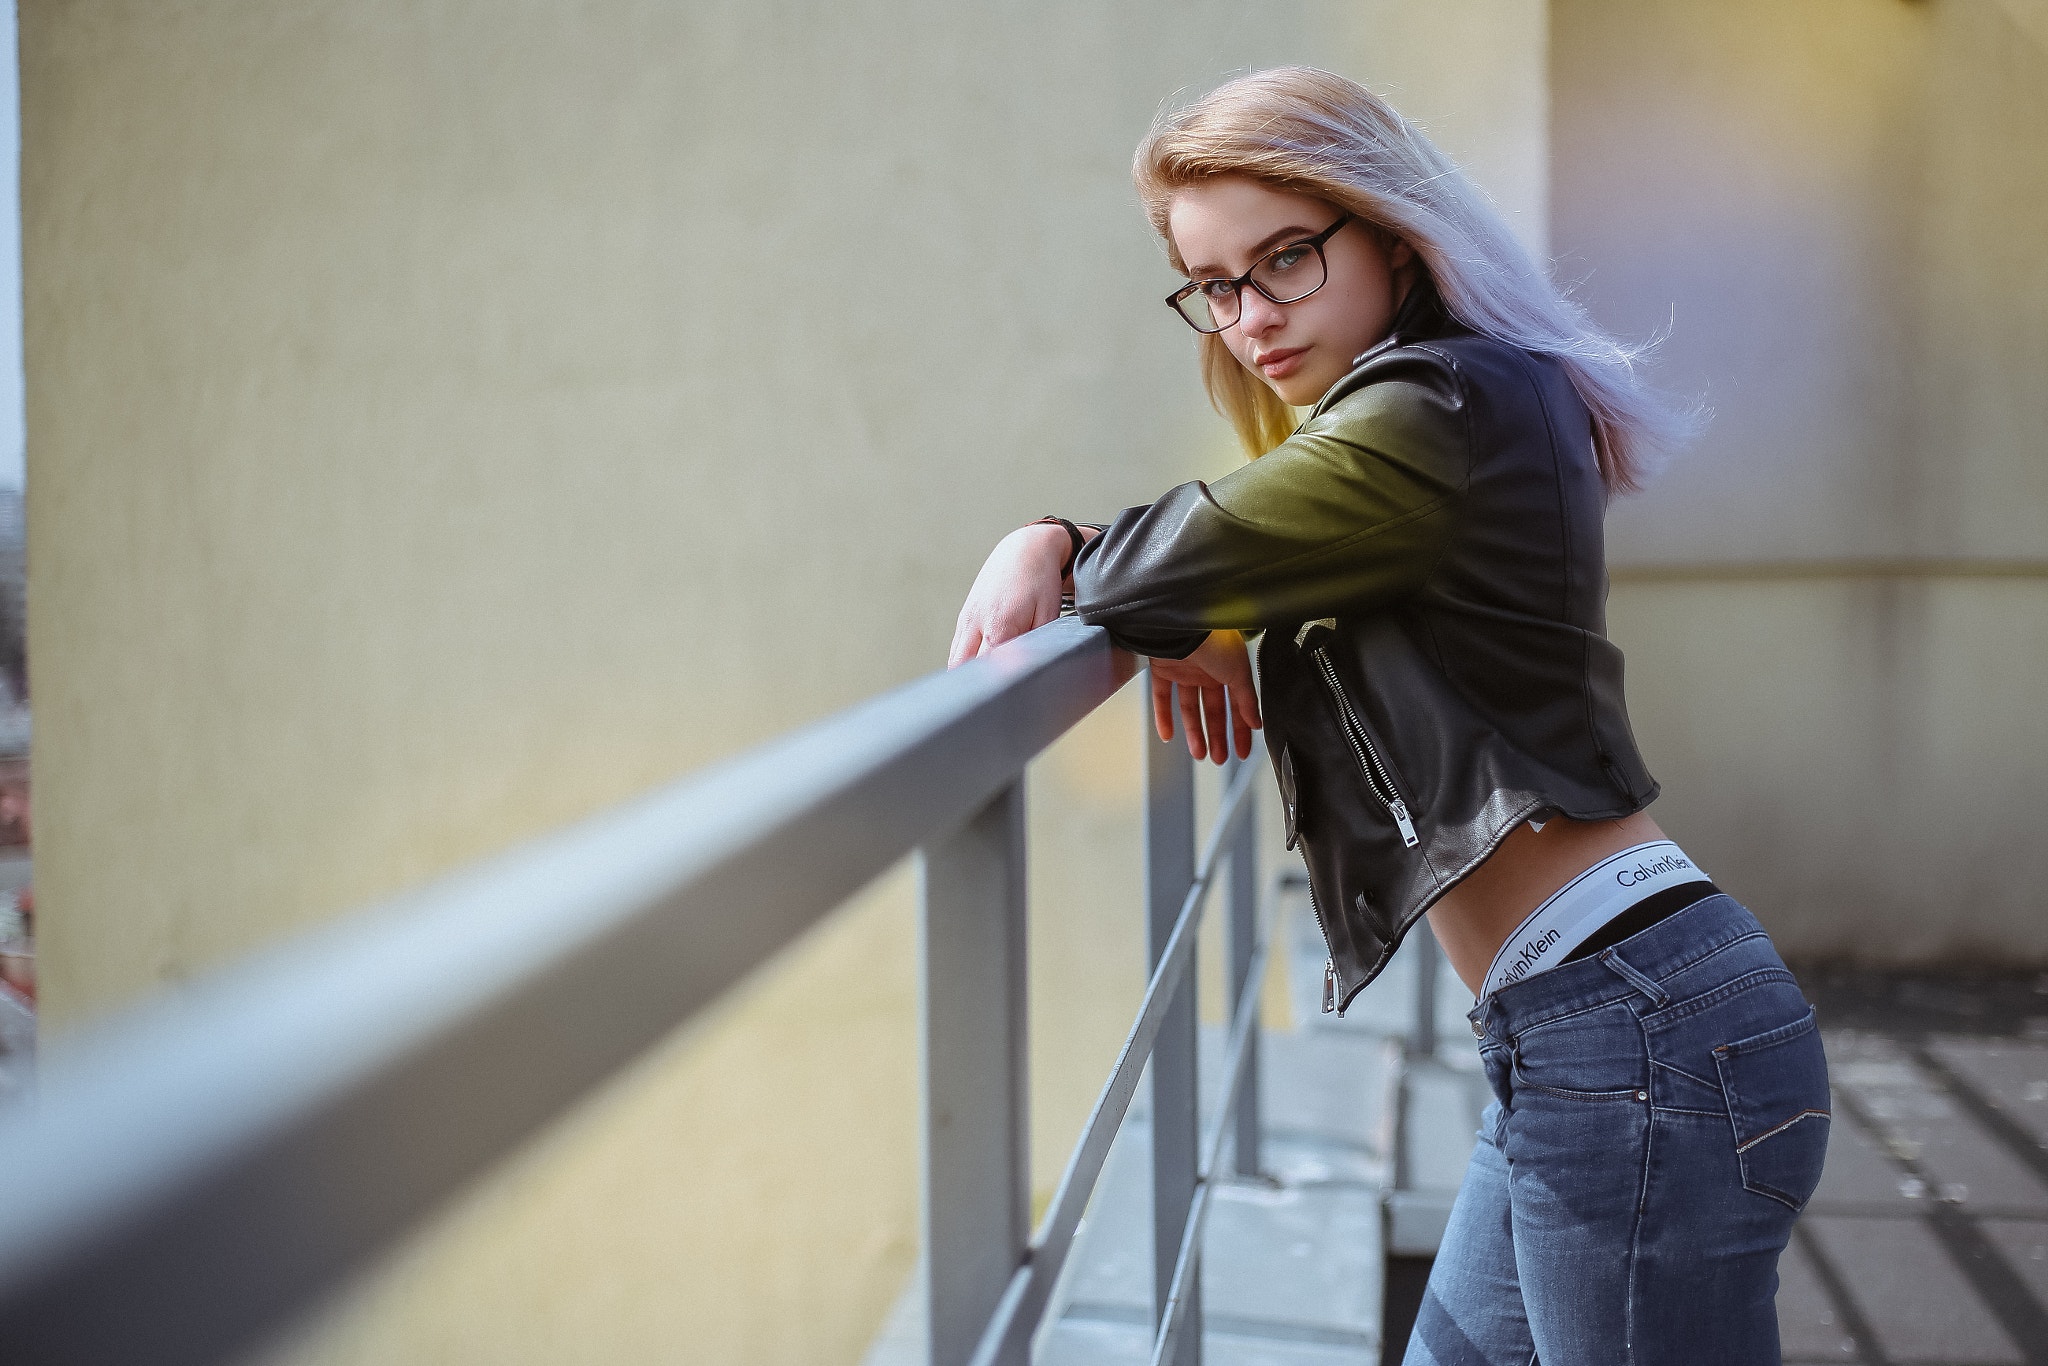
(1280, 363)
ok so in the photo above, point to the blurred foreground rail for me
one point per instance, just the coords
(201, 1171)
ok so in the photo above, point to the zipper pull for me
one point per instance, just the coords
(1329, 985)
(1400, 810)
(1313, 633)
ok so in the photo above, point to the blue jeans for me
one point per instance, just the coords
(1660, 1115)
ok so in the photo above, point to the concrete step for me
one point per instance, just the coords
(1291, 1262)
(1290, 1270)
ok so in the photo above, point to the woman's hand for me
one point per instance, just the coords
(1216, 694)
(1017, 590)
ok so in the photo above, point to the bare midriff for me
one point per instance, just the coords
(1476, 917)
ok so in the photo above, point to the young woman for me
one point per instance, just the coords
(1444, 714)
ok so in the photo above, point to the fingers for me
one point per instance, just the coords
(1049, 603)
(1245, 702)
(1216, 715)
(1216, 712)
(1162, 707)
(981, 629)
(966, 644)
(1191, 720)
(1017, 590)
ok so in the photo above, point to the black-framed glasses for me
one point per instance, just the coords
(1285, 275)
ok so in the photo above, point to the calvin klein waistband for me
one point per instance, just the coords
(1579, 909)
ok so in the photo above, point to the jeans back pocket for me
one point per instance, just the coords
(1777, 1089)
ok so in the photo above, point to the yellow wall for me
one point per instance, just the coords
(1840, 602)
(447, 419)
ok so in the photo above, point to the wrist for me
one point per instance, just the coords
(1042, 543)
(1073, 539)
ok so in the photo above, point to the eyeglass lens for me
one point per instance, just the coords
(1291, 273)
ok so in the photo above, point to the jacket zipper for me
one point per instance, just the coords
(1330, 963)
(1376, 776)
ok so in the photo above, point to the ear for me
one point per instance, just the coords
(1399, 254)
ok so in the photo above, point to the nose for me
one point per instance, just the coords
(1257, 315)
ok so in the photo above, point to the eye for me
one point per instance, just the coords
(1287, 258)
(1217, 289)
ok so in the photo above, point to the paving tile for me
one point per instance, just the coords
(1228, 1349)
(1291, 1270)
(1326, 1085)
(1331, 1086)
(1304, 1258)
(1092, 1342)
(1859, 1177)
(1303, 1160)
(1087, 1342)
(1916, 1301)
(1916, 1120)
(1112, 1258)
(2025, 1245)
(1321, 1097)
(2011, 1073)
(1443, 1125)
(1307, 1257)
(1810, 1328)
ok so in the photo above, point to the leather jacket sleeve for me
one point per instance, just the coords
(1347, 515)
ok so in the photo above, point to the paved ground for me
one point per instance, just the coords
(1926, 1245)
(1927, 1242)
(1928, 1239)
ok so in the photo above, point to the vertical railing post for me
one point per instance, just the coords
(1423, 1038)
(976, 1154)
(1169, 873)
(1244, 928)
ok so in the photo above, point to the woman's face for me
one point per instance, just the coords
(1223, 225)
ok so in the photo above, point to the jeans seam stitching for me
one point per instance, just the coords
(1715, 951)
(1693, 1005)
(1635, 1233)
(1673, 1067)
(1549, 1020)
(1627, 1093)
(1757, 1044)
(1638, 979)
(1775, 1130)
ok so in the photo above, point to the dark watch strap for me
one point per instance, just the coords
(1073, 535)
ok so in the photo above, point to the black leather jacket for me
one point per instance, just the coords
(1425, 558)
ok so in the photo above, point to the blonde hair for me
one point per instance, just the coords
(1313, 133)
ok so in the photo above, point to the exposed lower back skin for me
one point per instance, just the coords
(1475, 918)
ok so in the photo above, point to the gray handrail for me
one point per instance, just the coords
(205, 1167)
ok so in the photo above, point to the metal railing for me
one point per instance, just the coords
(203, 1170)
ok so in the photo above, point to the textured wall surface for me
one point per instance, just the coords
(447, 419)
(1836, 607)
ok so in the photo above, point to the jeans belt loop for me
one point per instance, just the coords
(1628, 974)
